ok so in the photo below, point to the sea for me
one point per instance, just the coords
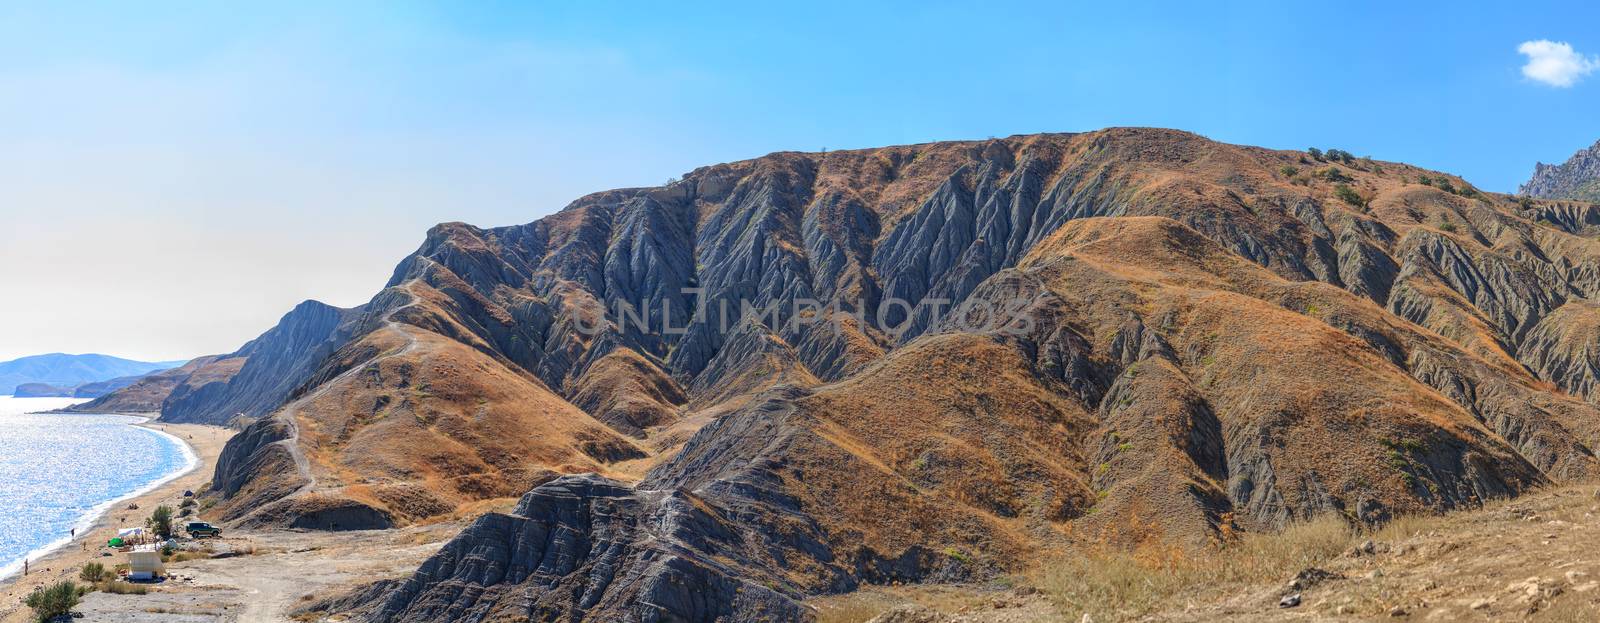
(61, 472)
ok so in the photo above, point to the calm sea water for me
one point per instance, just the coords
(60, 472)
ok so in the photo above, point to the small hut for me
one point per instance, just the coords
(144, 564)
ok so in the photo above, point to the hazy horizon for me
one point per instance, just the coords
(175, 178)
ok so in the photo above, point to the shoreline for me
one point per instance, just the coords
(58, 561)
(191, 461)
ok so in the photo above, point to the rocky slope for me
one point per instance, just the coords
(1193, 339)
(147, 393)
(239, 387)
(274, 365)
(1577, 178)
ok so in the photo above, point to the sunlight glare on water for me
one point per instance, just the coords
(57, 472)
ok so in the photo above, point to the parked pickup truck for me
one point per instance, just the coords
(197, 529)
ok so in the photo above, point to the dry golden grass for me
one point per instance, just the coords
(118, 587)
(863, 606)
(850, 612)
(188, 555)
(1114, 585)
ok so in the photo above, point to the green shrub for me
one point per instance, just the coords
(53, 601)
(1448, 226)
(1340, 155)
(1289, 170)
(1334, 175)
(160, 521)
(1349, 195)
(1315, 153)
(93, 572)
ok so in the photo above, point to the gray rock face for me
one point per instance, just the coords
(1577, 178)
(279, 362)
(586, 548)
(255, 465)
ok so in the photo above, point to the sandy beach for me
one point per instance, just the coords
(63, 564)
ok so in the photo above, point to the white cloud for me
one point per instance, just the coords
(1555, 62)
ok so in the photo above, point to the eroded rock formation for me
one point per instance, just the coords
(1199, 339)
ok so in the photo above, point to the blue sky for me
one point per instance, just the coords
(207, 166)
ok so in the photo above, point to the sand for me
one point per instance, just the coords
(270, 573)
(64, 563)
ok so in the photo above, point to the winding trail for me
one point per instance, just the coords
(287, 411)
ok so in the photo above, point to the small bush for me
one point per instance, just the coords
(93, 572)
(1316, 154)
(1289, 170)
(160, 521)
(53, 601)
(1340, 155)
(188, 555)
(1334, 175)
(1448, 226)
(1349, 195)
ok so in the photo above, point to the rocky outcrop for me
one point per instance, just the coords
(1577, 178)
(274, 365)
(584, 547)
(1565, 349)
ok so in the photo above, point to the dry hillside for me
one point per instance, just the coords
(1219, 341)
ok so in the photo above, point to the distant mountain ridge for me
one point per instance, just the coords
(1577, 178)
(94, 389)
(64, 370)
(149, 392)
